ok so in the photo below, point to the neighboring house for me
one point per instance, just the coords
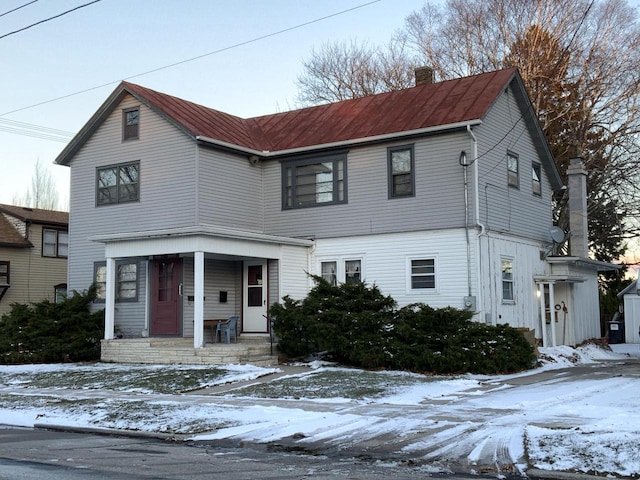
(33, 255)
(631, 308)
(440, 194)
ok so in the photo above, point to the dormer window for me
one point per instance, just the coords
(130, 124)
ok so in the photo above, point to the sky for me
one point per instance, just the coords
(95, 47)
(584, 422)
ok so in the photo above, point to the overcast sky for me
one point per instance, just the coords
(112, 40)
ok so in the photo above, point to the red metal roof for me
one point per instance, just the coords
(429, 105)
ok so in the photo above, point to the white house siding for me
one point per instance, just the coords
(167, 195)
(438, 202)
(386, 263)
(525, 256)
(294, 266)
(507, 209)
(632, 317)
(130, 316)
(230, 191)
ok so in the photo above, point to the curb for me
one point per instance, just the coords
(559, 475)
(112, 431)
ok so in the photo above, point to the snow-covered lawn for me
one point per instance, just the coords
(587, 423)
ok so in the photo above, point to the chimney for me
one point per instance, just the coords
(423, 75)
(579, 232)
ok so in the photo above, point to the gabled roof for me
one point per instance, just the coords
(36, 215)
(420, 109)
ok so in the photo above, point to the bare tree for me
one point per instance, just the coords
(342, 71)
(42, 194)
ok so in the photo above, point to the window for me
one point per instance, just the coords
(4, 274)
(423, 274)
(401, 168)
(118, 183)
(130, 124)
(315, 181)
(4, 278)
(126, 281)
(352, 272)
(512, 170)
(328, 272)
(341, 270)
(535, 173)
(55, 243)
(507, 280)
(60, 292)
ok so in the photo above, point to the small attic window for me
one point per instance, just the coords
(130, 123)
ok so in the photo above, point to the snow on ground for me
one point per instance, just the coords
(586, 419)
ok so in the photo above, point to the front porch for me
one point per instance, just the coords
(251, 350)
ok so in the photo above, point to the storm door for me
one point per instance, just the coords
(254, 318)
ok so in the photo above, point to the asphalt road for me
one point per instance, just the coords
(27, 454)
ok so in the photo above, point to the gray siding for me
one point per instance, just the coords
(230, 191)
(502, 208)
(167, 196)
(438, 202)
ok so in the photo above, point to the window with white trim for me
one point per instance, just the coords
(506, 268)
(342, 270)
(316, 181)
(422, 274)
(126, 281)
(512, 170)
(55, 243)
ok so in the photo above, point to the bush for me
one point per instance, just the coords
(48, 332)
(358, 325)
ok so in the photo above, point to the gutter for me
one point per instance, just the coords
(343, 143)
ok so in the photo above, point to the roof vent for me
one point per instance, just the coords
(423, 75)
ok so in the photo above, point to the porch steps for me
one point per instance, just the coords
(180, 351)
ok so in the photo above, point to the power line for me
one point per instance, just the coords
(31, 126)
(17, 8)
(48, 19)
(224, 49)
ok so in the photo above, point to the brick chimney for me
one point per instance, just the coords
(579, 232)
(423, 75)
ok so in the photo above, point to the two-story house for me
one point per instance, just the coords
(440, 194)
(33, 255)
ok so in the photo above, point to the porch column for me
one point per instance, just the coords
(110, 300)
(552, 310)
(198, 300)
(543, 317)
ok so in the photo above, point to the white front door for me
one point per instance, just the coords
(254, 315)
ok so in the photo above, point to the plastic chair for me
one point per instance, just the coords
(228, 328)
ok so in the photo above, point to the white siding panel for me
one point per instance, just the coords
(294, 265)
(385, 263)
(632, 317)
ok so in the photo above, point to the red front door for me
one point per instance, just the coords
(166, 279)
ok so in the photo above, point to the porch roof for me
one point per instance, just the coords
(205, 238)
(558, 279)
(584, 263)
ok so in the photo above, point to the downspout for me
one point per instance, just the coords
(478, 224)
(197, 189)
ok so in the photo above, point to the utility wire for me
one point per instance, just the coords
(40, 128)
(224, 49)
(17, 8)
(48, 19)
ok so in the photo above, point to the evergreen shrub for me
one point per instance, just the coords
(357, 325)
(47, 332)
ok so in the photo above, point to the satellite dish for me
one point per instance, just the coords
(557, 234)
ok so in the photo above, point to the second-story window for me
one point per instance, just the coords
(401, 168)
(118, 183)
(55, 243)
(130, 124)
(512, 170)
(314, 181)
(536, 184)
